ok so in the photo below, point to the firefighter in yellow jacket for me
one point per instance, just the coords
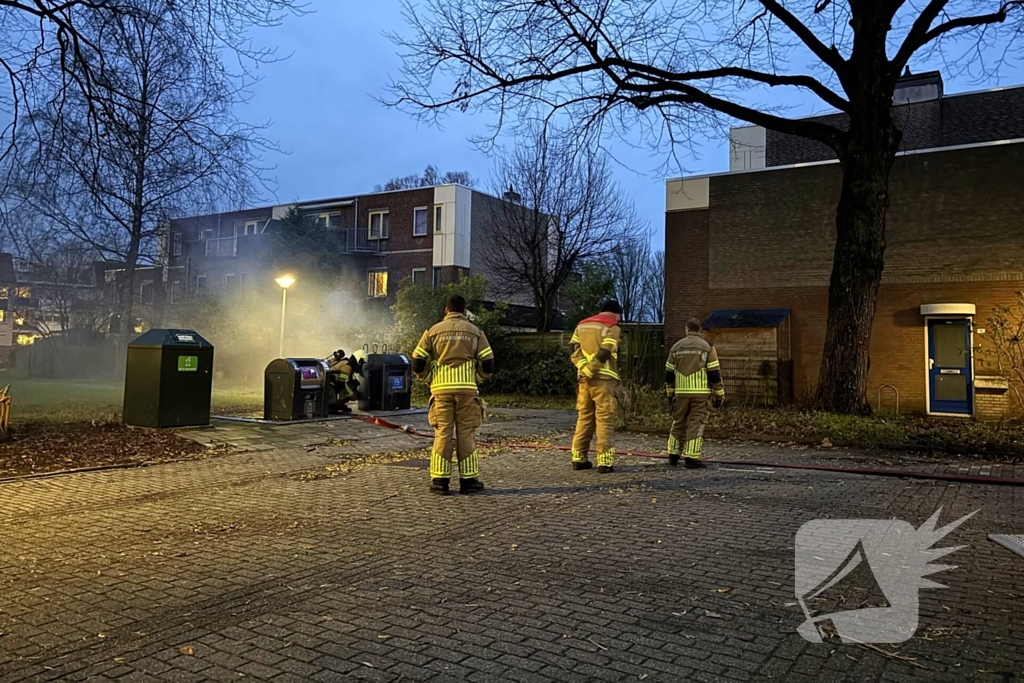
(693, 378)
(595, 355)
(454, 354)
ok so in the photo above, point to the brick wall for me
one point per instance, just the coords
(954, 120)
(955, 234)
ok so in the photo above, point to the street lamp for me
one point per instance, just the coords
(285, 281)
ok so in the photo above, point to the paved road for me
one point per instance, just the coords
(313, 563)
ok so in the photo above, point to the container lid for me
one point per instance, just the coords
(162, 339)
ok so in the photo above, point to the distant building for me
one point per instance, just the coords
(759, 240)
(428, 234)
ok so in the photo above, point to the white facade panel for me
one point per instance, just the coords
(452, 243)
(746, 148)
(683, 194)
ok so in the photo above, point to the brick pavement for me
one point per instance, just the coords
(239, 568)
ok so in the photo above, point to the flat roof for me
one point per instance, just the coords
(930, 150)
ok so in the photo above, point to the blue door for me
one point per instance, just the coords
(949, 366)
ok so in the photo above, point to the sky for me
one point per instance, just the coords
(337, 139)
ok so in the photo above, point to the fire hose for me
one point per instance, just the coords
(867, 471)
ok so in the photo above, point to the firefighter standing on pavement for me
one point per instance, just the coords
(693, 378)
(454, 354)
(595, 356)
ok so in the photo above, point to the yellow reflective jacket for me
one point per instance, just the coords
(454, 350)
(693, 364)
(591, 336)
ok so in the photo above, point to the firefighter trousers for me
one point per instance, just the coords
(595, 407)
(689, 415)
(455, 419)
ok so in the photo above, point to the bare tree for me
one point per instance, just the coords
(654, 290)
(161, 141)
(562, 210)
(65, 275)
(38, 34)
(629, 265)
(431, 176)
(668, 69)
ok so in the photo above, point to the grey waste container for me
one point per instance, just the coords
(168, 380)
(388, 382)
(295, 389)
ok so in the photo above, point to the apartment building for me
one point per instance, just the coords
(428, 234)
(757, 244)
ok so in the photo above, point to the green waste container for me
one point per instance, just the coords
(168, 380)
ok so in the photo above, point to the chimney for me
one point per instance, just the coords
(918, 87)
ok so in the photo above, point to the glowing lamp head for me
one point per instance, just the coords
(285, 281)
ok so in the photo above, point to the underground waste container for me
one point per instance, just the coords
(295, 389)
(388, 382)
(168, 380)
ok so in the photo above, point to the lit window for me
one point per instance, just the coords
(5, 292)
(437, 218)
(27, 339)
(419, 276)
(420, 216)
(377, 284)
(378, 225)
(3, 316)
(23, 292)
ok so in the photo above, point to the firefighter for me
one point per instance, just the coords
(595, 355)
(343, 371)
(454, 354)
(692, 380)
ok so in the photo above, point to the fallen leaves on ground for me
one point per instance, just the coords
(47, 447)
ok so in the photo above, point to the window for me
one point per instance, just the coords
(378, 225)
(437, 218)
(419, 276)
(205, 234)
(437, 277)
(251, 228)
(377, 284)
(176, 242)
(23, 292)
(5, 292)
(200, 284)
(230, 281)
(175, 293)
(147, 293)
(3, 316)
(420, 216)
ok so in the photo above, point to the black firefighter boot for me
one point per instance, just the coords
(582, 465)
(439, 486)
(693, 464)
(673, 459)
(473, 485)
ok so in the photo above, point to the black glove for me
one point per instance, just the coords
(717, 401)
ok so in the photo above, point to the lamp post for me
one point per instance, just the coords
(285, 281)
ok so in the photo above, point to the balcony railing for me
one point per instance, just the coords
(224, 247)
(357, 241)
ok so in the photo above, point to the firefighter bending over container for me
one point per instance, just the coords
(692, 380)
(453, 356)
(595, 356)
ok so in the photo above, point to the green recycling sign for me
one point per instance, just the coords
(188, 363)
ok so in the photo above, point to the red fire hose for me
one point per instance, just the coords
(963, 478)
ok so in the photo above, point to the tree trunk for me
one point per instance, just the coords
(856, 271)
(543, 312)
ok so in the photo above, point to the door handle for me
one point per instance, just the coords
(931, 363)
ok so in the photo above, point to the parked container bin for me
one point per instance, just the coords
(388, 382)
(168, 380)
(295, 389)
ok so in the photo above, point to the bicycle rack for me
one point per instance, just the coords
(895, 392)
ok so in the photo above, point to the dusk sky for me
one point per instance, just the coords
(340, 140)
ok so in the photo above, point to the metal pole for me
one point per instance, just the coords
(284, 301)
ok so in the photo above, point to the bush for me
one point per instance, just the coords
(544, 371)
